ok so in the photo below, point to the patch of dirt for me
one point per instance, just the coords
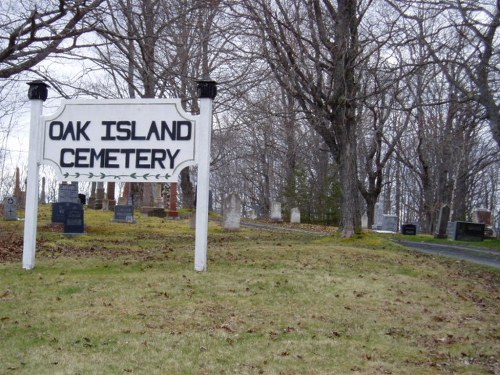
(11, 247)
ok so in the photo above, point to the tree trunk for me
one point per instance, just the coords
(351, 219)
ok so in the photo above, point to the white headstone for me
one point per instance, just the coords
(105, 204)
(10, 208)
(364, 221)
(295, 216)
(390, 223)
(232, 212)
(252, 215)
(276, 212)
(379, 215)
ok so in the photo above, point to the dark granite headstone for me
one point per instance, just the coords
(124, 214)
(442, 225)
(58, 212)
(409, 229)
(465, 231)
(74, 219)
(83, 198)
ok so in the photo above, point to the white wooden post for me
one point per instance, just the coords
(37, 94)
(207, 90)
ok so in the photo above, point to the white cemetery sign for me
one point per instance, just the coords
(135, 140)
(119, 140)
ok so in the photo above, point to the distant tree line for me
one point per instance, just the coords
(325, 105)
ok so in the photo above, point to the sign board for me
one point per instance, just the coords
(147, 140)
(134, 140)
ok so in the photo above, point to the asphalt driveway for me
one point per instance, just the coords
(477, 255)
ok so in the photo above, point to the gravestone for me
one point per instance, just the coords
(364, 221)
(390, 223)
(83, 199)
(10, 209)
(295, 216)
(482, 216)
(465, 231)
(68, 193)
(192, 220)
(74, 222)
(122, 201)
(276, 212)
(59, 211)
(442, 225)
(110, 195)
(231, 212)
(409, 229)
(91, 200)
(105, 204)
(172, 204)
(124, 214)
(379, 215)
(99, 196)
(252, 214)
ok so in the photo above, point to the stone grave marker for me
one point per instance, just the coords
(105, 204)
(465, 231)
(252, 214)
(409, 229)
(276, 212)
(124, 214)
(379, 215)
(232, 212)
(295, 216)
(442, 224)
(10, 209)
(390, 223)
(74, 222)
(482, 216)
(364, 221)
(59, 211)
(68, 193)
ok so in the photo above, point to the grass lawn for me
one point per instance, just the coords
(125, 299)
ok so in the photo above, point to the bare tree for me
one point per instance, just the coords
(467, 39)
(31, 31)
(312, 48)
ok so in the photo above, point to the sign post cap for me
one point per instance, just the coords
(38, 90)
(207, 88)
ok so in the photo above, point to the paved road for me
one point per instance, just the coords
(477, 255)
(472, 254)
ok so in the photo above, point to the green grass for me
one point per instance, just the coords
(125, 299)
